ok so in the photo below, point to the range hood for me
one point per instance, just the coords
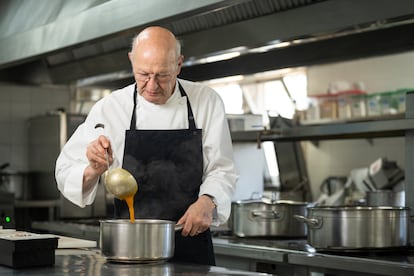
(86, 42)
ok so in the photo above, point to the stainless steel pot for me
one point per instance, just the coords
(144, 241)
(339, 228)
(15, 183)
(254, 218)
(385, 198)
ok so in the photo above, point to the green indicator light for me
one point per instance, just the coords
(8, 219)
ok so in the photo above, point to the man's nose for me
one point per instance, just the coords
(152, 81)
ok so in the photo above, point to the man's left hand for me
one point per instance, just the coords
(198, 217)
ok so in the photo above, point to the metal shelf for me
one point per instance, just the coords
(394, 126)
(340, 130)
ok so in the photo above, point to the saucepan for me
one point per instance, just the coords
(143, 241)
(254, 218)
(357, 228)
(385, 198)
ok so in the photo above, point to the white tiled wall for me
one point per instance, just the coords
(17, 104)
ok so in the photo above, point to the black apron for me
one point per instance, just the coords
(168, 166)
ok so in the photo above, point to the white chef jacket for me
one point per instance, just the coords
(115, 111)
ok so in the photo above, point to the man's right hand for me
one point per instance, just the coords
(96, 152)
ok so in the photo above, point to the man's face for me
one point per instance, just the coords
(155, 69)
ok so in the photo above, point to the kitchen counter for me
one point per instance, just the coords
(296, 257)
(90, 262)
(281, 256)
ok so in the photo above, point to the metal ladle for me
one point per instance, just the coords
(119, 181)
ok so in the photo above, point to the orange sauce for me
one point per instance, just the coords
(130, 202)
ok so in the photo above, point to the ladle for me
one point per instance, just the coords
(119, 181)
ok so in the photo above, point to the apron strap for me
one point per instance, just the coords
(191, 122)
(133, 119)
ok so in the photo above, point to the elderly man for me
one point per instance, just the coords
(171, 134)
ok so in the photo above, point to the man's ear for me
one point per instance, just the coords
(180, 63)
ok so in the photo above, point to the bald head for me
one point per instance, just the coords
(158, 36)
(156, 62)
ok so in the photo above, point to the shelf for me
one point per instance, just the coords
(340, 130)
(36, 203)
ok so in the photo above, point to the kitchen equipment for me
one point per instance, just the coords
(7, 210)
(333, 184)
(23, 249)
(385, 174)
(292, 169)
(144, 241)
(332, 191)
(48, 133)
(120, 183)
(356, 228)
(254, 218)
(385, 198)
(14, 182)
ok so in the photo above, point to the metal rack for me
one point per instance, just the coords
(339, 130)
(388, 127)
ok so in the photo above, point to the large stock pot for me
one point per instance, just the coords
(355, 228)
(143, 241)
(265, 218)
(14, 182)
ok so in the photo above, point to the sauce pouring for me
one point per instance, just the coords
(121, 184)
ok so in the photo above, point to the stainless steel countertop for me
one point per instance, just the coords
(298, 252)
(289, 252)
(90, 262)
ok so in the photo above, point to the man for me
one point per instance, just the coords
(171, 134)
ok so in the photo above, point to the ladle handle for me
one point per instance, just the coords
(99, 125)
(107, 159)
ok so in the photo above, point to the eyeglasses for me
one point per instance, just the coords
(145, 77)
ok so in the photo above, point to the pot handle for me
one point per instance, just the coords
(3, 166)
(178, 227)
(311, 222)
(271, 214)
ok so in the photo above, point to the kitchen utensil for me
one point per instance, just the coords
(3, 166)
(120, 183)
(385, 174)
(107, 159)
(252, 218)
(14, 182)
(332, 191)
(384, 198)
(144, 241)
(356, 228)
(333, 184)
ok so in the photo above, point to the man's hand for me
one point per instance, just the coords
(96, 152)
(198, 216)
